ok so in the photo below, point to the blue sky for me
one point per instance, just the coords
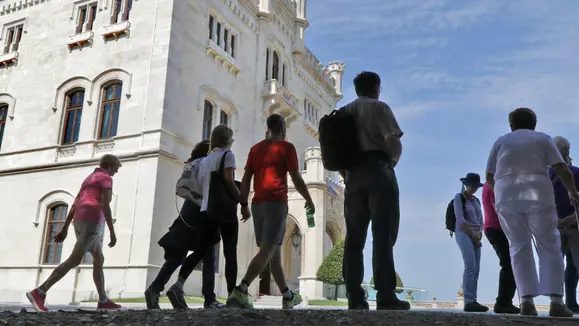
(451, 71)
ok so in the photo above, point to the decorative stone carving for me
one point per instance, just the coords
(103, 148)
(67, 151)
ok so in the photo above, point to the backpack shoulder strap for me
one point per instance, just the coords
(463, 200)
(222, 164)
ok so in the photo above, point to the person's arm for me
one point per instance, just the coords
(229, 175)
(106, 198)
(388, 131)
(292, 167)
(70, 215)
(492, 167)
(461, 223)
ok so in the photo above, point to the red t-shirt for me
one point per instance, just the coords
(270, 161)
(89, 207)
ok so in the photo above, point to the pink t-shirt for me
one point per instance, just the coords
(488, 201)
(88, 206)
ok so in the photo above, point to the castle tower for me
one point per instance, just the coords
(314, 166)
(336, 71)
(301, 9)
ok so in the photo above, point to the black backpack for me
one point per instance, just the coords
(451, 217)
(339, 142)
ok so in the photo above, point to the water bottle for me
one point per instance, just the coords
(310, 217)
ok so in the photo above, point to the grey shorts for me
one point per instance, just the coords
(88, 237)
(269, 222)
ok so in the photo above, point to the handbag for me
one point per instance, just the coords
(221, 204)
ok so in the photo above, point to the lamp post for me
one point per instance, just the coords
(296, 238)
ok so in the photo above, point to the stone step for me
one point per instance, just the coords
(269, 300)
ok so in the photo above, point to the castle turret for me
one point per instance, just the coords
(314, 167)
(336, 71)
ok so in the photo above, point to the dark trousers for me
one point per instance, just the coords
(174, 260)
(229, 234)
(507, 285)
(571, 280)
(371, 196)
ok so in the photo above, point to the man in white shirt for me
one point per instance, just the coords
(525, 203)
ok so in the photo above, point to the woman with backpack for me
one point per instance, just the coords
(468, 235)
(183, 237)
(218, 212)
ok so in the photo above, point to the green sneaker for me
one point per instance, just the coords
(239, 299)
(291, 303)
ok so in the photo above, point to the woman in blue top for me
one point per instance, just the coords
(469, 224)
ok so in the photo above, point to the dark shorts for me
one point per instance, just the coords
(269, 222)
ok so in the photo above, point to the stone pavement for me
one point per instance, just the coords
(318, 317)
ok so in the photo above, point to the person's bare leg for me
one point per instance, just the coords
(61, 270)
(258, 263)
(98, 274)
(277, 270)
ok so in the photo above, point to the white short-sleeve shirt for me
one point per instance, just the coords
(210, 164)
(520, 163)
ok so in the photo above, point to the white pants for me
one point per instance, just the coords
(523, 218)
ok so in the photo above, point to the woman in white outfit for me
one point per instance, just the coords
(518, 169)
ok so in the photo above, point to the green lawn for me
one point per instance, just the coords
(191, 300)
(327, 303)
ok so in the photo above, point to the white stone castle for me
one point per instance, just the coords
(146, 80)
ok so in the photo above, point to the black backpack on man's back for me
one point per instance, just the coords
(339, 142)
(451, 216)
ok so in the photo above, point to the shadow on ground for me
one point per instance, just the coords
(271, 317)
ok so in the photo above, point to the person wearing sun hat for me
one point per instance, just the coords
(468, 235)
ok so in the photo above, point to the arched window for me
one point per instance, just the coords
(333, 81)
(54, 223)
(3, 114)
(207, 120)
(72, 116)
(267, 64)
(224, 118)
(109, 113)
(275, 66)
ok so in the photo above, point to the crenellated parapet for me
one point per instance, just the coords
(14, 6)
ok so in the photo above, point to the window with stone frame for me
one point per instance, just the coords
(207, 120)
(88, 259)
(54, 222)
(224, 118)
(283, 74)
(211, 23)
(13, 38)
(73, 104)
(275, 66)
(86, 18)
(120, 10)
(109, 110)
(3, 115)
(223, 35)
(267, 64)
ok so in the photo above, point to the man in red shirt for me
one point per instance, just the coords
(270, 161)
(498, 239)
(90, 210)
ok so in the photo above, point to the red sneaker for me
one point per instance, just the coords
(109, 305)
(37, 300)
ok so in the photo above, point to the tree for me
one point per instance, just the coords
(399, 283)
(330, 271)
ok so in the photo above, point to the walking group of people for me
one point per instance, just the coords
(529, 199)
(208, 215)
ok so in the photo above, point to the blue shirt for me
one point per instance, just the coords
(474, 216)
(562, 201)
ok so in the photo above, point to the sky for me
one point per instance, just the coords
(451, 72)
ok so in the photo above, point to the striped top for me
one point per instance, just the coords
(375, 122)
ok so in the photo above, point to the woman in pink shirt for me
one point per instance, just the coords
(499, 241)
(90, 210)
